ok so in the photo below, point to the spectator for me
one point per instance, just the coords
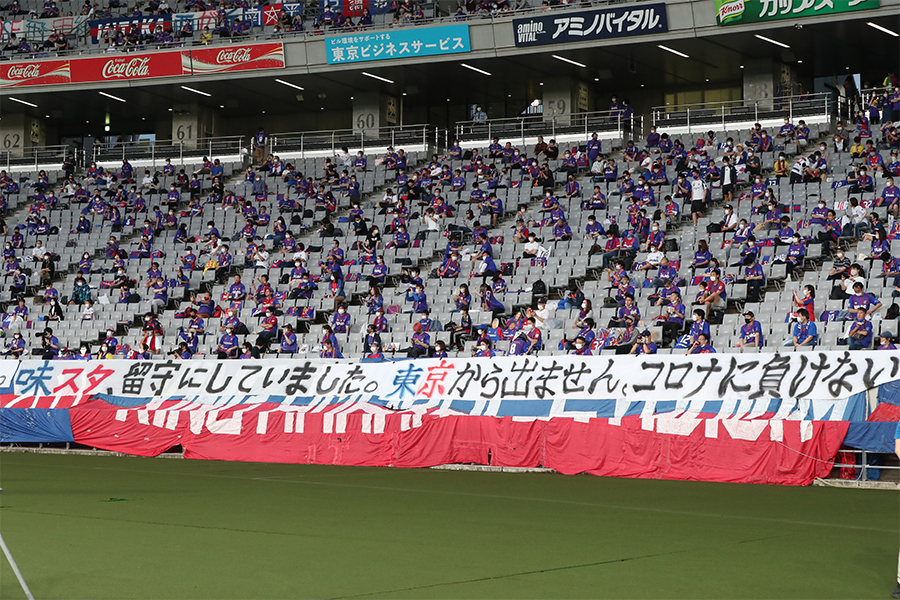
(420, 343)
(886, 341)
(751, 332)
(702, 345)
(805, 333)
(644, 344)
(860, 335)
(807, 301)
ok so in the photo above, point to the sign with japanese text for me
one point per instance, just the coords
(354, 8)
(38, 29)
(397, 43)
(471, 384)
(742, 12)
(269, 15)
(635, 19)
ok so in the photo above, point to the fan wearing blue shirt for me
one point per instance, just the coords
(751, 332)
(805, 332)
(860, 335)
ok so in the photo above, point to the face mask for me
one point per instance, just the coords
(854, 271)
(483, 348)
(713, 278)
(655, 228)
(579, 346)
(341, 311)
(373, 349)
(696, 318)
(584, 306)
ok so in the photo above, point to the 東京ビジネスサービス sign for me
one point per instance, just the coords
(397, 43)
(741, 12)
(639, 19)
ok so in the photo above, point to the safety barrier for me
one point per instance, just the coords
(741, 114)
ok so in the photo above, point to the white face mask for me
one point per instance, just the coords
(341, 311)
(579, 346)
(482, 348)
(696, 318)
(373, 349)
(655, 228)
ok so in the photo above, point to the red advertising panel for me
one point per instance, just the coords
(39, 72)
(233, 58)
(126, 68)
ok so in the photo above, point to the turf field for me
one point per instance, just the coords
(112, 527)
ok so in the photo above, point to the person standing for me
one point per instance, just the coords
(259, 146)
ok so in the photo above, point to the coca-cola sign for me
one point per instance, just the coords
(47, 72)
(236, 58)
(233, 56)
(24, 71)
(126, 68)
(100, 69)
(136, 67)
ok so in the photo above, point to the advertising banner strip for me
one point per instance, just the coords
(397, 43)
(38, 72)
(744, 12)
(131, 67)
(478, 385)
(631, 20)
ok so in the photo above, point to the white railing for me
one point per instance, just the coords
(35, 157)
(723, 115)
(304, 144)
(525, 129)
(150, 152)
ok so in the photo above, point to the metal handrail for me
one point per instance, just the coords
(354, 140)
(310, 35)
(729, 111)
(159, 150)
(863, 466)
(524, 127)
(35, 155)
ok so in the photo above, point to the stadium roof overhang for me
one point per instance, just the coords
(715, 59)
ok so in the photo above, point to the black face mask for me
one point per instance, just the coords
(748, 321)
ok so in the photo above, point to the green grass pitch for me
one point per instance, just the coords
(113, 527)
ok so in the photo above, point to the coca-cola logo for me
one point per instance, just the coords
(23, 71)
(237, 55)
(136, 67)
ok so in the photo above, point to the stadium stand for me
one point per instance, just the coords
(483, 252)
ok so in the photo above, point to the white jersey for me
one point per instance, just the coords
(698, 190)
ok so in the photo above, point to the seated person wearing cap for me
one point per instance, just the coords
(886, 341)
(643, 344)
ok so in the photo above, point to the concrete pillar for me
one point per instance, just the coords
(192, 122)
(564, 97)
(760, 82)
(373, 110)
(19, 131)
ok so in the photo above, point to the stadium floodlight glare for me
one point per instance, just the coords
(384, 79)
(23, 102)
(884, 29)
(569, 60)
(290, 85)
(112, 97)
(676, 52)
(190, 89)
(476, 69)
(770, 40)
